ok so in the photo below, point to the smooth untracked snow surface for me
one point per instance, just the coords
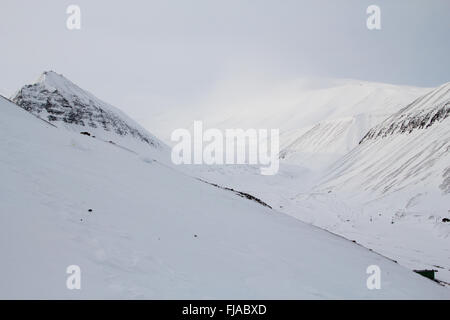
(156, 233)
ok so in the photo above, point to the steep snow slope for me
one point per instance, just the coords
(323, 143)
(394, 186)
(156, 233)
(422, 113)
(59, 101)
(391, 193)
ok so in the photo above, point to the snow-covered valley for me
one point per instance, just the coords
(156, 231)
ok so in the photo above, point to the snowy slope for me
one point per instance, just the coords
(318, 124)
(409, 150)
(392, 191)
(324, 142)
(156, 233)
(349, 112)
(422, 113)
(61, 102)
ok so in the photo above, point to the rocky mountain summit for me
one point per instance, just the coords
(58, 100)
(420, 114)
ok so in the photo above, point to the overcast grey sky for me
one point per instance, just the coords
(144, 54)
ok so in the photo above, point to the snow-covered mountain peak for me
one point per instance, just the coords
(58, 100)
(49, 77)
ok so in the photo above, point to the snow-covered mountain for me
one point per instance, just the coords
(137, 228)
(391, 192)
(388, 183)
(59, 101)
(422, 113)
(409, 150)
(318, 123)
(352, 109)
